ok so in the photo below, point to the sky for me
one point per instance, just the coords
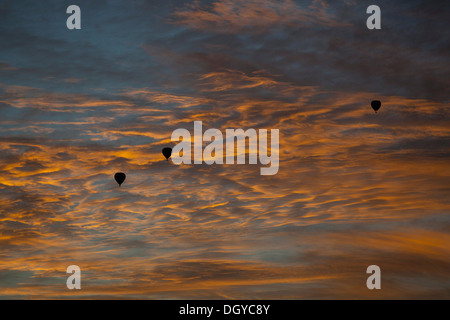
(354, 188)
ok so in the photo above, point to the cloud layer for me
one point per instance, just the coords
(354, 188)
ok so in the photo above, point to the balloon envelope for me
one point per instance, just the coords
(376, 105)
(120, 177)
(167, 152)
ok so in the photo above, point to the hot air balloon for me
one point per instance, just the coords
(376, 105)
(120, 177)
(167, 152)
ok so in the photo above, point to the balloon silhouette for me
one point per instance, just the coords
(376, 105)
(167, 152)
(120, 177)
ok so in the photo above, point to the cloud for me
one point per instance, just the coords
(354, 188)
(256, 16)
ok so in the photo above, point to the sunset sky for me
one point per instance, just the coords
(354, 188)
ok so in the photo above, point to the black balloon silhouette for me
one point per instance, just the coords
(376, 105)
(120, 177)
(167, 152)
